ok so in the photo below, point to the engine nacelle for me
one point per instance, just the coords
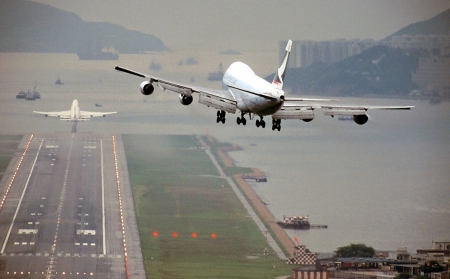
(360, 119)
(147, 88)
(185, 100)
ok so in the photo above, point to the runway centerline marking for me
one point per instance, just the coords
(61, 202)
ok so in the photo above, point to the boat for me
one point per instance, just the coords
(216, 76)
(21, 95)
(58, 82)
(295, 222)
(30, 96)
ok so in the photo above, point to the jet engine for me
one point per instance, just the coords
(185, 100)
(147, 88)
(360, 119)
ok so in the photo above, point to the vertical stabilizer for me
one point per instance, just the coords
(278, 79)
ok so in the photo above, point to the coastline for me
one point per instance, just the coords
(262, 210)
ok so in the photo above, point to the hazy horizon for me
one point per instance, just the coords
(254, 25)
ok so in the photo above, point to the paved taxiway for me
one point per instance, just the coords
(67, 210)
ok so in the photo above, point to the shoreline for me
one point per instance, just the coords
(262, 210)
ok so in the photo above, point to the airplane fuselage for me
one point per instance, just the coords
(74, 111)
(252, 93)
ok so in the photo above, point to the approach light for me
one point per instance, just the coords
(155, 234)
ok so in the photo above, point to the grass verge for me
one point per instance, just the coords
(8, 145)
(191, 224)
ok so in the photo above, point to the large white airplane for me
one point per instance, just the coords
(74, 114)
(252, 95)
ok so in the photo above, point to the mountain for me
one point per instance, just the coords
(379, 70)
(34, 27)
(439, 24)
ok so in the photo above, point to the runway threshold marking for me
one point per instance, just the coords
(23, 192)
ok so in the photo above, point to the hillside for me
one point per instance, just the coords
(34, 27)
(439, 24)
(379, 70)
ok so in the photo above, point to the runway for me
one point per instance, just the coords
(67, 210)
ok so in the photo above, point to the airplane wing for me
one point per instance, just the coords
(89, 114)
(61, 114)
(357, 110)
(301, 109)
(219, 99)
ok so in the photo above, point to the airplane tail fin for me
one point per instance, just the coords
(278, 79)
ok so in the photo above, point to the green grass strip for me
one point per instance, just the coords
(176, 189)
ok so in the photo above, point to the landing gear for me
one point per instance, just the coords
(220, 116)
(276, 124)
(241, 119)
(261, 123)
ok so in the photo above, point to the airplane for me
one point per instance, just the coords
(74, 114)
(243, 90)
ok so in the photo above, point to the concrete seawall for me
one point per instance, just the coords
(254, 200)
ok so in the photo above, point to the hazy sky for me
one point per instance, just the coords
(254, 24)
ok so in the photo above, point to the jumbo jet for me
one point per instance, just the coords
(74, 114)
(243, 90)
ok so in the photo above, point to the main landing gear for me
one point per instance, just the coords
(276, 124)
(220, 116)
(241, 119)
(261, 123)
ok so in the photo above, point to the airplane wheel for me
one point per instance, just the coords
(238, 121)
(279, 128)
(223, 120)
(263, 124)
(218, 119)
(257, 123)
(244, 121)
(222, 113)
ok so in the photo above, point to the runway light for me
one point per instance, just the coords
(155, 234)
(194, 235)
(213, 235)
(174, 234)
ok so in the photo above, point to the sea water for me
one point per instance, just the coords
(385, 184)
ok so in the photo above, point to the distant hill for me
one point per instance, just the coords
(439, 24)
(35, 27)
(379, 70)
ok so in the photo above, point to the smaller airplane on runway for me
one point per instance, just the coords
(74, 114)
